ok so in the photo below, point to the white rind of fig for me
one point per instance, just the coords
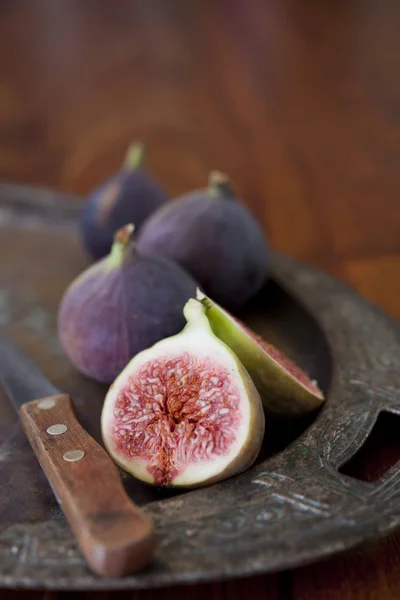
(184, 412)
(285, 389)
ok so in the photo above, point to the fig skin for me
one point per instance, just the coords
(119, 306)
(128, 196)
(186, 405)
(214, 237)
(285, 389)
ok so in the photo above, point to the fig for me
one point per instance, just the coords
(284, 387)
(129, 196)
(121, 305)
(184, 412)
(214, 237)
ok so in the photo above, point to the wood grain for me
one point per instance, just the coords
(297, 101)
(115, 536)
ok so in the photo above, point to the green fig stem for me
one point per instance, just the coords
(201, 297)
(134, 156)
(122, 237)
(219, 185)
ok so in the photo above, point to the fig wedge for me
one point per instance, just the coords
(284, 387)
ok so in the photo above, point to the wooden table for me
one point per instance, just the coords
(299, 101)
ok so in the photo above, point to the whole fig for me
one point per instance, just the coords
(185, 411)
(129, 196)
(119, 306)
(214, 237)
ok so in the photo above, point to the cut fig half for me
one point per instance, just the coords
(184, 412)
(284, 387)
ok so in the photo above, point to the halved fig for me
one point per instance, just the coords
(185, 411)
(284, 387)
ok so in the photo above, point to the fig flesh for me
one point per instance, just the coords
(285, 389)
(119, 306)
(214, 237)
(129, 196)
(184, 412)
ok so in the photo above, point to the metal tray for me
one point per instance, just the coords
(292, 507)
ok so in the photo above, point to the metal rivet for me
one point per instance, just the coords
(57, 429)
(46, 404)
(73, 455)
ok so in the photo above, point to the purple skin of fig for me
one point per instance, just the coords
(129, 196)
(215, 238)
(120, 306)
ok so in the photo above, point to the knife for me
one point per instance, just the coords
(115, 536)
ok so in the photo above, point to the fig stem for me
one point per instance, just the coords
(134, 156)
(195, 315)
(122, 237)
(219, 185)
(201, 297)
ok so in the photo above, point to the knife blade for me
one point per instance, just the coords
(115, 536)
(33, 385)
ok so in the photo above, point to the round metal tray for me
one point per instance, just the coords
(292, 507)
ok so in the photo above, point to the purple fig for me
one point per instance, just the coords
(185, 411)
(129, 196)
(214, 237)
(121, 305)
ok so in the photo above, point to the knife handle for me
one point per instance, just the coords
(115, 536)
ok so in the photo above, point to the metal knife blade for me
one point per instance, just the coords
(20, 378)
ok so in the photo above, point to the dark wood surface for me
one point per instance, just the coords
(299, 101)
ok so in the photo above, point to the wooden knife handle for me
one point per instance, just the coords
(115, 536)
